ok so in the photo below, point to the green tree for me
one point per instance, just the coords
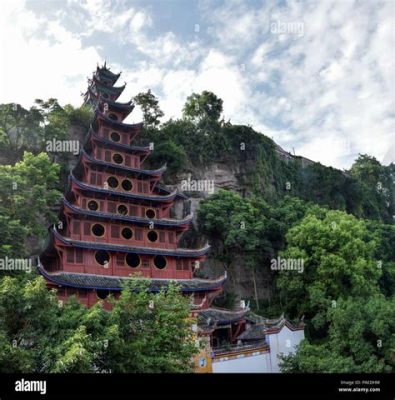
(203, 106)
(171, 154)
(338, 257)
(28, 195)
(361, 339)
(19, 129)
(149, 105)
(38, 334)
(159, 337)
(237, 228)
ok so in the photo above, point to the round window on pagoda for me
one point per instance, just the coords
(115, 136)
(133, 260)
(112, 182)
(102, 294)
(105, 95)
(152, 236)
(122, 209)
(102, 257)
(98, 230)
(127, 233)
(150, 213)
(117, 158)
(113, 116)
(160, 262)
(127, 185)
(93, 205)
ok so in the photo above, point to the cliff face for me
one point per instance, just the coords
(269, 172)
(261, 169)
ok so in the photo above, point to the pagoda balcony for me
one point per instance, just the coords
(128, 213)
(156, 213)
(117, 141)
(120, 264)
(196, 254)
(118, 164)
(77, 185)
(102, 120)
(116, 283)
(116, 109)
(93, 97)
(118, 156)
(105, 259)
(117, 232)
(119, 182)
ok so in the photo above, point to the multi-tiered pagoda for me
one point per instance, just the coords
(115, 219)
(116, 224)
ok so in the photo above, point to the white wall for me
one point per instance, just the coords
(250, 363)
(283, 342)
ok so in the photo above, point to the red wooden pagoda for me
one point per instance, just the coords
(115, 217)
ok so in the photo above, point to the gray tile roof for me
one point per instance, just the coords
(115, 283)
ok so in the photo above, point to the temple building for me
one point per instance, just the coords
(117, 221)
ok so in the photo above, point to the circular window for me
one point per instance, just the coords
(113, 116)
(122, 209)
(98, 230)
(102, 294)
(160, 262)
(127, 233)
(133, 260)
(102, 257)
(105, 95)
(152, 236)
(127, 185)
(112, 182)
(117, 158)
(93, 205)
(150, 213)
(115, 136)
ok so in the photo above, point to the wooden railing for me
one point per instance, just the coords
(233, 348)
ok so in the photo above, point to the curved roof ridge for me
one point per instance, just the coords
(162, 221)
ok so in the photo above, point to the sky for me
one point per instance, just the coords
(316, 76)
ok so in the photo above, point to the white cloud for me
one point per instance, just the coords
(33, 68)
(311, 75)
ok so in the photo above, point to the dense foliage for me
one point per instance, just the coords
(145, 332)
(27, 196)
(340, 223)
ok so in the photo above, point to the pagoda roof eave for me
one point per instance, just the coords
(83, 186)
(115, 124)
(156, 173)
(116, 283)
(125, 147)
(109, 74)
(138, 220)
(268, 327)
(192, 253)
(117, 90)
(219, 316)
(126, 108)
